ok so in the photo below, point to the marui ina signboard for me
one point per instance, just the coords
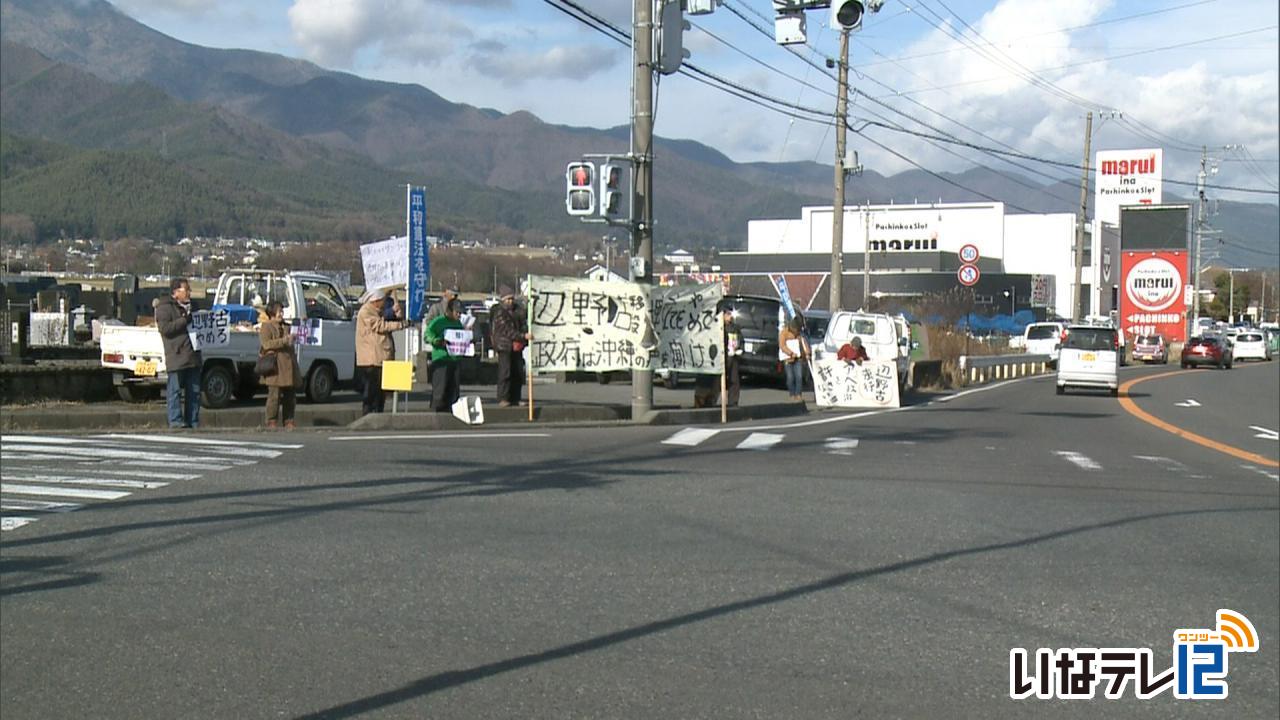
(1126, 177)
(1152, 300)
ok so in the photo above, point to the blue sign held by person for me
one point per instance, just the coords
(419, 258)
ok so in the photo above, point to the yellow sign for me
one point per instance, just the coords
(145, 368)
(397, 375)
(1088, 357)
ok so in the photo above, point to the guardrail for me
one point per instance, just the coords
(986, 368)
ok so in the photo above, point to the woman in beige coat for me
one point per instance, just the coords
(374, 345)
(274, 339)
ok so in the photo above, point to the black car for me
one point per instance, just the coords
(757, 318)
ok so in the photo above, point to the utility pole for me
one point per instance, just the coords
(866, 255)
(1076, 289)
(1199, 232)
(642, 188)
(837, 207)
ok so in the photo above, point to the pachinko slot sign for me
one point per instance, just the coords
(1152, 301)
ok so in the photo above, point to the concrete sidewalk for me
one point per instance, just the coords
(554, 403)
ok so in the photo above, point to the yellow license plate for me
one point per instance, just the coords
(1088, 357)
(145, 368)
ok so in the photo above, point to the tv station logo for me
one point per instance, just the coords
(1199, 671)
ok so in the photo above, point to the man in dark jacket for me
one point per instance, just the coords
(181, 360)
(509, 333)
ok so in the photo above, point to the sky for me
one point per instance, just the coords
(1017, 76)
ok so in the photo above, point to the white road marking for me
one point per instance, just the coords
(38, 505)
(204, 464)
(1260, 471)
(691, 436)
(442, 436)
(1264, 433)
(202, 441)
(1082, 461)
(78, 480)
(760, 441)
(7, 454)
(85, 493)
(212, 446)
(13, 523)
(150, 474)
(122, 454)
(1169, 464)
(841, 446)
(1188, 403)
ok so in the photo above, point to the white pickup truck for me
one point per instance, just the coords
(882, 336)
(312, 300)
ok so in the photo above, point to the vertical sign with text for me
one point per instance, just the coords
(419, 260)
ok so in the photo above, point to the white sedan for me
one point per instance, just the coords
(1251, 345)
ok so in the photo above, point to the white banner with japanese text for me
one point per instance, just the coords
(580, 324)
(690, 331)
(385, 263)
(836, 383)
(209, 329)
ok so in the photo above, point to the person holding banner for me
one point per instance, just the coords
(274, 338)
(733, 349)
(445, 389)
(510, 333)
(182, 361)
(374, 345)
(794, 350)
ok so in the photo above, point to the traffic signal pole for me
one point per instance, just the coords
(837, 214)
(642, 188)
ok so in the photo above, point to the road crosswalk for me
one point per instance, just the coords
(44, 474)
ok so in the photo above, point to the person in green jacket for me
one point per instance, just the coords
(445, 388)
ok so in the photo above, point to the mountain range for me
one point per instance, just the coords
(240, 141)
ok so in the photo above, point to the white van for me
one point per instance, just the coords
(1088, 358)
(1043, 338)
(880, 336)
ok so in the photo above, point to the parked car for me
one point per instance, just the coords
(1207, 350)
(1151, 348)
(1273, 340)
(1252, 345)
(1043, 338)
(757, 318)
(880, 335)
(1089, 358)
(815, 327)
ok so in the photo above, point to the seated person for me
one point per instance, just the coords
(853, 351)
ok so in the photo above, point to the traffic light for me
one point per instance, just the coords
(670, 39)
(847, 14)
(610, 190)
(580, 194)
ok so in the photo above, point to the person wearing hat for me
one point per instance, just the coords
(445, 386)
(374, 345)
(509, 332)
(853, 352)
(438, 310)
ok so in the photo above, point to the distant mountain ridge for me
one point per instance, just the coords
(301, 114)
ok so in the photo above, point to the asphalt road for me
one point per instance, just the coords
(841, 565)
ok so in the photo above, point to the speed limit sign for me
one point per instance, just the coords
(969, 254)
(968, 275)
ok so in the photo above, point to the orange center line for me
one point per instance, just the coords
(1132, 408)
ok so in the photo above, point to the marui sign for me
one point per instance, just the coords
(1126, 177)
(1151, 296)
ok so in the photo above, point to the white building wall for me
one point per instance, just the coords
(948, 226)
(1042, 245)
(780, 236)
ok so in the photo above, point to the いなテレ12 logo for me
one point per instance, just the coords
(1199, 671)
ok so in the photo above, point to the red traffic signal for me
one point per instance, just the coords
(580, 194)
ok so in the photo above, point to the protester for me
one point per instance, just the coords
(794, 349)
(275, 339)
(853, 352)
(509, 331)
(438, 309)
(733, 348)
(445, 389)
(374, 345)
(181, 360)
